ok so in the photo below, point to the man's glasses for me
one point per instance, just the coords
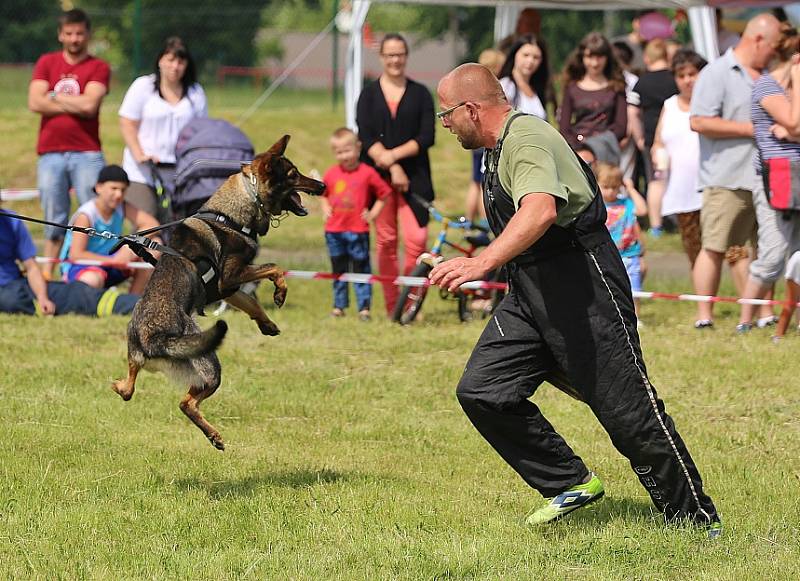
(446, 112)
(394, 55)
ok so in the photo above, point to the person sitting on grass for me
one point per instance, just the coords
(350, 188)
(30, 294)
(623, 205)
(106, 213)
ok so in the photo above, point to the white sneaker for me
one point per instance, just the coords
(767, 321)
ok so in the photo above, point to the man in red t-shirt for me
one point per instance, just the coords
(351, 187)
(66, 89)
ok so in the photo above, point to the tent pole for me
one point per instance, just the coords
(703, 23)
(354, 78)
(505, 21)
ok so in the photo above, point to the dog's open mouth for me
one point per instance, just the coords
(294, 204)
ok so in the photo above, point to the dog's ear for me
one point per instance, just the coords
(280, 146)
(258, 166)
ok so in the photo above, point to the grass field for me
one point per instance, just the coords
(348, 456)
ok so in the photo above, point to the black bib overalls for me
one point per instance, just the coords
(568, 319)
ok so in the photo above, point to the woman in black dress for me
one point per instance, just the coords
(396, 127)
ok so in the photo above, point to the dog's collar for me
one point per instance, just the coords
(251, 185)
(225, 220)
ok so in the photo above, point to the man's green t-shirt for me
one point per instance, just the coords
(536, 159)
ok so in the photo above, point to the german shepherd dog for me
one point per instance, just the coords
(216, 248)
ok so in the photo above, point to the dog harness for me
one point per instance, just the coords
(207, 268)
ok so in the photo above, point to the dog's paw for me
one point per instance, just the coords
(216, 441)
(279, 296)
(121, 387)
(268, 328)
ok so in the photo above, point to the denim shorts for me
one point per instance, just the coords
(633, 266)
(112, 276)
(57, 172)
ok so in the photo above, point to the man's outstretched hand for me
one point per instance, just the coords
(452, 273)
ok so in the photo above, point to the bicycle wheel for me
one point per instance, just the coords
(473, 304)
(498, 295)
(465, 300)
(411, 297)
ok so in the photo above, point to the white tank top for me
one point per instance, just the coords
(520, 101)
(683, 147)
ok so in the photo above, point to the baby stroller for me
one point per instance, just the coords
(208, 152)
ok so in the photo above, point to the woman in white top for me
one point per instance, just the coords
(676, 152)
(525, 76)
(153, 112)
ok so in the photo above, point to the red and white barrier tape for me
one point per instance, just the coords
(421, 281)
(13, 195)
(108, 263)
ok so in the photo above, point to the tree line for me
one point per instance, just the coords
(129, 33)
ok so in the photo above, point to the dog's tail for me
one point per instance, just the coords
(196, 344)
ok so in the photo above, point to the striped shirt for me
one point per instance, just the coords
(768, 145)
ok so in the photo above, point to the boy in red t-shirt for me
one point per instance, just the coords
(66, 89)
(350, 189)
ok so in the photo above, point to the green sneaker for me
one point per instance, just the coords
(569, 500)
(714, 530)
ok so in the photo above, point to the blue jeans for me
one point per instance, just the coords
(59, 171)
(349, 252)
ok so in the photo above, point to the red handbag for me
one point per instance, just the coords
(782, 183)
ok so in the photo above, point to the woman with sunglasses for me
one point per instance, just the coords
(396, 127)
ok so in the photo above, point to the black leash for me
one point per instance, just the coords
(137, 242)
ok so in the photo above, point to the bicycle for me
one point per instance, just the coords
(411, 298)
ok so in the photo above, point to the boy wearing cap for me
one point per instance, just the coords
(106, 213)
(30, 294)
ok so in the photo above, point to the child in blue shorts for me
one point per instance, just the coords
(623, 205)
(106, 213)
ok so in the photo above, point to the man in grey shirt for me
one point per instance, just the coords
(720, 113)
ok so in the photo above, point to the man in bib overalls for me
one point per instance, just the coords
(568, 317)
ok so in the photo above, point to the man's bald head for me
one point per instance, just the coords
(471, 82)
(765, 25)
(759, 41)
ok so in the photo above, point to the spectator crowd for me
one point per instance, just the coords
(66, 90)
(714, 149)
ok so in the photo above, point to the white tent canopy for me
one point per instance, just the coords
(701, 20)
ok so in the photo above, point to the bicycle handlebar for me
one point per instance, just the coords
(459, 222)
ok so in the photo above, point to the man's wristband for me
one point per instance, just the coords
(51, 95)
